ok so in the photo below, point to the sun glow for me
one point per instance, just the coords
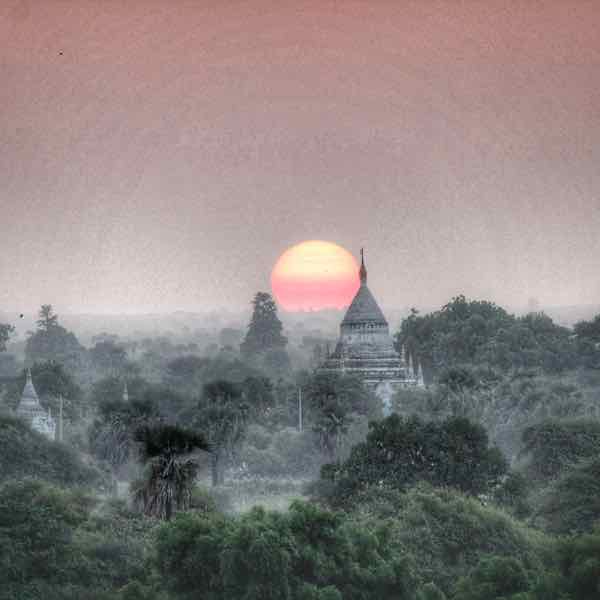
(314, 275)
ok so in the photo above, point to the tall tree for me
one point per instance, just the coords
(5, 331)
(47, 318)
(399, 452)
(222, 420)
(168, 452)
(111, 434)
(265, 330)
(330, 402)
(52, 341)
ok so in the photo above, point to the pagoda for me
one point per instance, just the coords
(365, 348)
(33, 412)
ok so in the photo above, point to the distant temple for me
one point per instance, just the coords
(33, 412)
(365, 348)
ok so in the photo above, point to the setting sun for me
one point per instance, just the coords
(314, 275)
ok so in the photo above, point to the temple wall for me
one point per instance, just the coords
(364, 334)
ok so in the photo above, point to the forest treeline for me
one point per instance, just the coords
(483, 485)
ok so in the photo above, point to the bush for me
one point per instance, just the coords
(447, 533)
(26, 453)
(552, 446)
(572, 504)
(400, 452)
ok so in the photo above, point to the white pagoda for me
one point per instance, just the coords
(33, 412)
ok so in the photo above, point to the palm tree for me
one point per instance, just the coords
(168, 451)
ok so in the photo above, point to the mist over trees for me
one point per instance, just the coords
(264, 342)
(52, 342)
(480, 485)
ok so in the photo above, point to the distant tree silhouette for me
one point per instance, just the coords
(5, 331)
(265, 330)
(52, 341)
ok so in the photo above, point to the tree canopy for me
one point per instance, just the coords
(264, 333)
(52, 342)
(222, 417)
(399, 452)
(474, 332)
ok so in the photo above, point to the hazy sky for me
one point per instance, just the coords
(157, 156)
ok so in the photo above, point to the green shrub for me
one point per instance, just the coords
(26, 453)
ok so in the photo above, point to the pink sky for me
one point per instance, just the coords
(161, 156)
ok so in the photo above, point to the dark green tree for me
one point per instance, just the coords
(258, 558)
(265, 329)
(111, 433)
(552, 446)
(222, 418)
(27, 453)
(399, 452)
(37, 523)
(330, 402)
(494, 578)
(171, 468)
(572, 505)
(472, 332)
(430, 591)
(579, 568)
(588, 342)
(188, 554)
(52, 342)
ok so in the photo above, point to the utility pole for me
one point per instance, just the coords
(300, 409)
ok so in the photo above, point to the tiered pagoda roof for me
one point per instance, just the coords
(365, 347)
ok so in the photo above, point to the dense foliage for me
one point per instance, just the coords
(418, 506)
(480, 333)
(264, 342)
(26, 453)
(52, 342)
(307, 553)
(399, 452)
(57, 545)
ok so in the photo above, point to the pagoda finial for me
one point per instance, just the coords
(125, 393)
(362, 273)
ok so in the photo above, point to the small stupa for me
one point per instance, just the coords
(33, 412)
